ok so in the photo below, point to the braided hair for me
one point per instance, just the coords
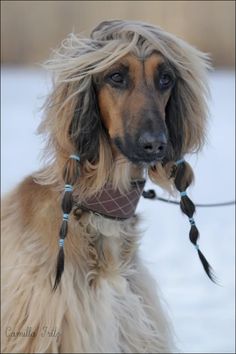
(71, 173)
(182, 177)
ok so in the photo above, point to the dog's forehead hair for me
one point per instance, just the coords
(138, 66)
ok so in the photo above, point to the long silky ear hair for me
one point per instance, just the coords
(86, 126)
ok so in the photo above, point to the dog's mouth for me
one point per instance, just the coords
(141, 159)
(138, 156)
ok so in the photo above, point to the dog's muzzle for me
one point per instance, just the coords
(145, 148)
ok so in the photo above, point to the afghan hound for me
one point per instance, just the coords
(127, 103)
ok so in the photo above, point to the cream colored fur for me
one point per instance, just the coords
(107, 302)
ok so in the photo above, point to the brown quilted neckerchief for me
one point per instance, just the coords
(111, 203)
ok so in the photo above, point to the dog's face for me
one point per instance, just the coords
(132, 98)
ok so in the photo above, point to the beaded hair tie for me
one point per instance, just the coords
(194, 233)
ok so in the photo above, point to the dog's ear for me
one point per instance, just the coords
(185, 118)
(86, 126)
(186, 115)
(174, 122)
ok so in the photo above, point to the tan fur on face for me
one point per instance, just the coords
(125, 106)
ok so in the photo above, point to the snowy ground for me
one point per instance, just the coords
(202, 313)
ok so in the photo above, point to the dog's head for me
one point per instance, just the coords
(130, 90)
(132, 98)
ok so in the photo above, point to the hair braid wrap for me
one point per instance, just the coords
(183, 177)
(71, 173)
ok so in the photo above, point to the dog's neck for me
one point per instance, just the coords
(119, 196)
(112, 203)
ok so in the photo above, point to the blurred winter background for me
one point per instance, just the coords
(202, 313)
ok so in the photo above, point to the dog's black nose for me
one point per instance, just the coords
(152, 143)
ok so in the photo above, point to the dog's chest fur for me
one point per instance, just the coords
(106, 301)
(111, 311)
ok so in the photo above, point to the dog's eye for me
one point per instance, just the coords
(117, 78)
(165, 80)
